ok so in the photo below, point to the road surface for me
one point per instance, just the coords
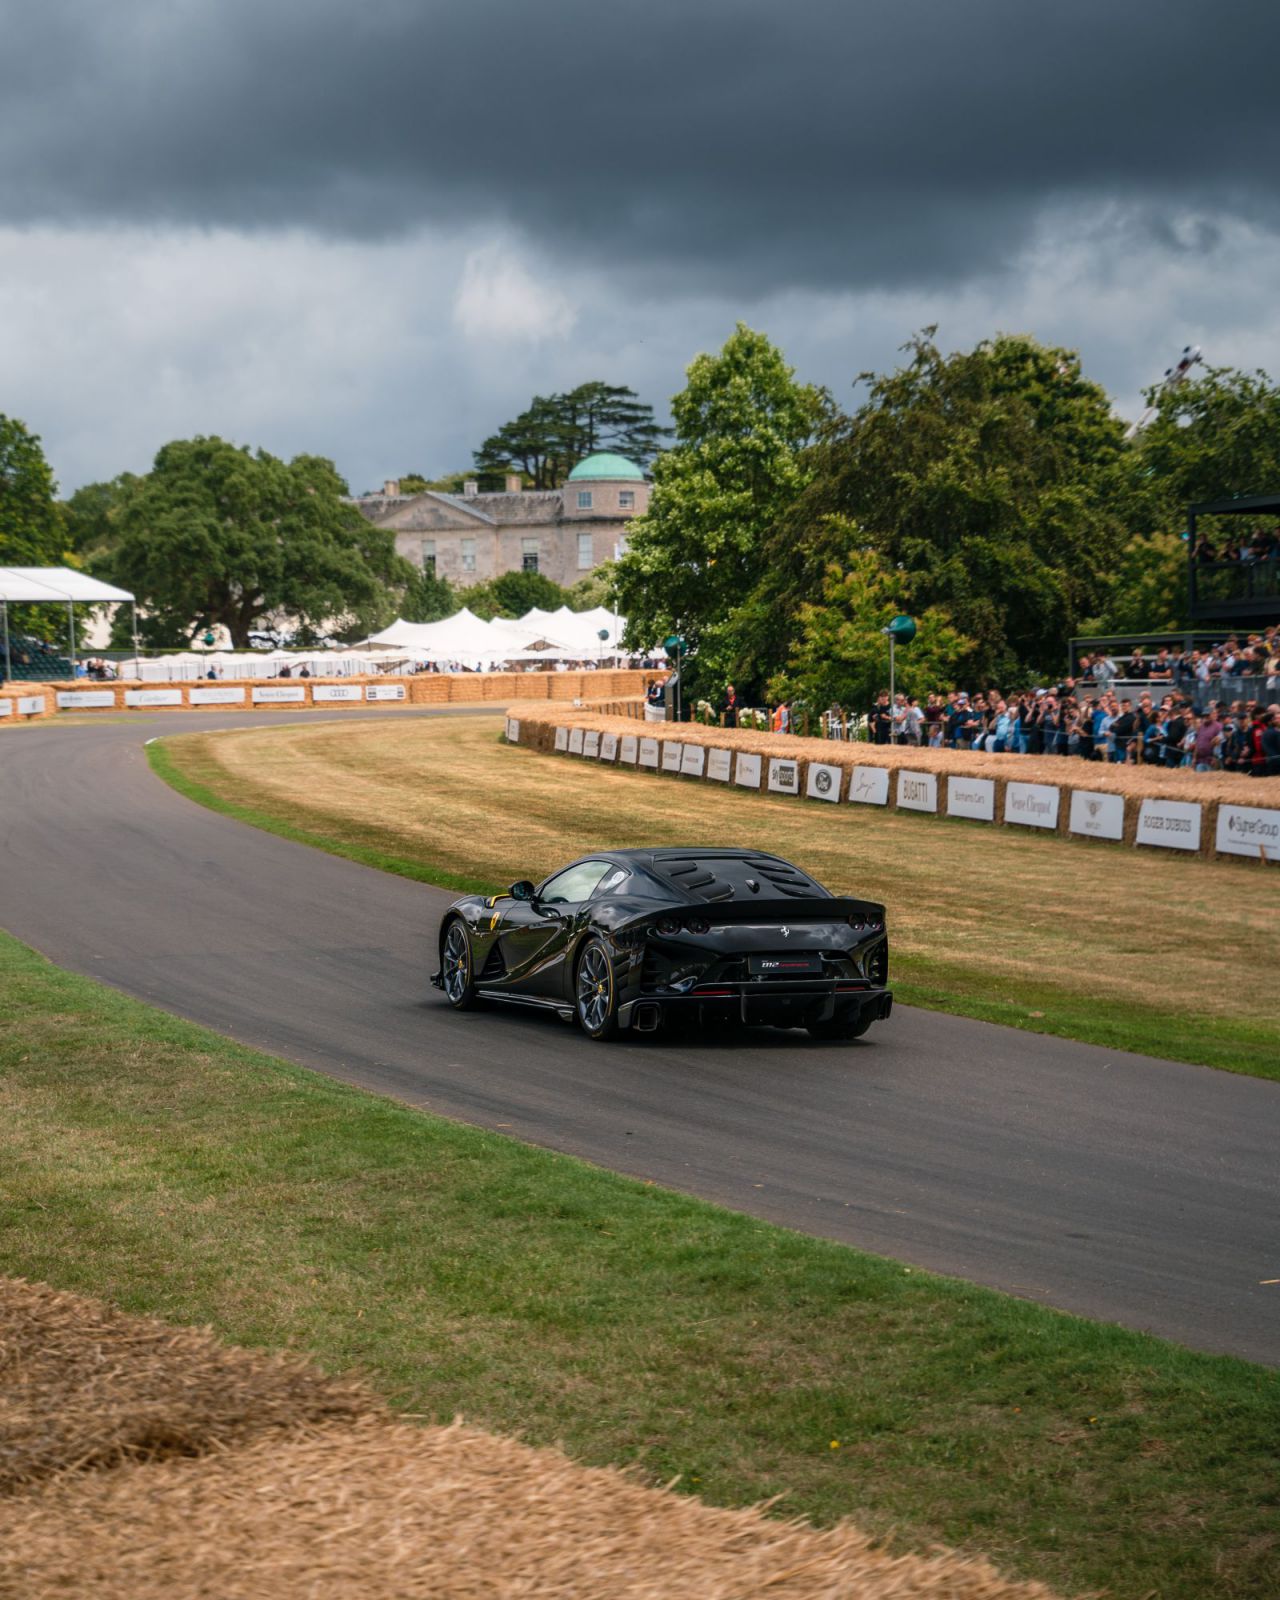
(1140, 1191)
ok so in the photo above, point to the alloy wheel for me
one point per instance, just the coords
(595, 989)
(457, 963)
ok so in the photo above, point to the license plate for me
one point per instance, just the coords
(794, 964)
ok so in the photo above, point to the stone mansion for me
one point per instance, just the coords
(563, 533)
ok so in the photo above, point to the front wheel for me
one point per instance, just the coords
(455, 967)
(596, 992)
(840, 1028)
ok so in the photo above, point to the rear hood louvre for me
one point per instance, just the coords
(792, 910)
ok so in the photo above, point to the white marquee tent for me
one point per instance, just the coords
(538, 635)
(60, 586)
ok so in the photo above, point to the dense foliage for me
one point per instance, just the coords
(218, 534)
(31, 530)
(546, 441)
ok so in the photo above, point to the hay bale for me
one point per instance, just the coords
(405, 1514)
(82, 1384)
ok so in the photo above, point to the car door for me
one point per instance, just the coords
(536, 934)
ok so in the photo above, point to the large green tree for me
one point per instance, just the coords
(219, 534)
(31, 530)
(511, 594)
(989, 477)
(1212, 438)
(738, 464)
(548, 439)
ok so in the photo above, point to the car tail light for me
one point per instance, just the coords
(667, 927)
(698, 925)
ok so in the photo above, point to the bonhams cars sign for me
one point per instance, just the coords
(823, 781)
(222, 696)
(1099, 816)
(971, 797)
(917, 791)
(869, 786)
(784, 776)
(1171, 824)
(384, 691)
(1248, 831)
(1033, 805)
(719, 763)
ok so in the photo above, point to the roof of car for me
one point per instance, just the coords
(700, 872)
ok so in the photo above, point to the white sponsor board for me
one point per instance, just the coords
(562, 738)
(869, 786)
(671, 754)
(629, 749)
(30, 705)
(513, 730)
(1247, 831)
(1100, 816)
(719, 763)
(153, 697)
(1171, 824)
(694, 760)
(591, 743)
(215, 697)
(575, 741)
(648, 752)
(971, 797)
(608, 747)
(917, 791)
(80, 699)
(272, 694)
(823, 782)
(336, 691)
(6, 707)
(747, 771)
(784, 776)
(1033, 805)
(385, 691)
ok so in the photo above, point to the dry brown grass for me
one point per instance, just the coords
(82, 1384)
(288, 1484)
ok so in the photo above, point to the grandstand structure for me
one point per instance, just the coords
(1239, 593)
(26, 659)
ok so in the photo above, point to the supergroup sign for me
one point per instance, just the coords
(1165, 824)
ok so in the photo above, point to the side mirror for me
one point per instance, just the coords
(521, 890)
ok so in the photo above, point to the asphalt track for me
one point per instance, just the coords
(1139, 1191)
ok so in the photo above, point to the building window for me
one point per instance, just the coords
(626, 499)
(428, 555)
(468, 555)
(584, 499)
(528, 555)
(586, 556)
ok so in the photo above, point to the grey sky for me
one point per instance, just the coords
(375, 228)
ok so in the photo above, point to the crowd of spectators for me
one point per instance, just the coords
(1254, 544)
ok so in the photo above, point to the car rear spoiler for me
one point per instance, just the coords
(787, 908)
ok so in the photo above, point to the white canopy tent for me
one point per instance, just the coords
(60, 585)
(537, 636)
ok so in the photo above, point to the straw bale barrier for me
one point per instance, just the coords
(1012, 789)
(142, 1460)
(84, 695)
(18, 703)
(85, 1385)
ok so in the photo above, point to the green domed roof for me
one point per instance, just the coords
(604, 464)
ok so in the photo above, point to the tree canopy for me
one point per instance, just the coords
(693, 560)
(512, 594)
(548, 439)
(31, 531)
(219, 534)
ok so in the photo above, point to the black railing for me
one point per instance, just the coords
(1246, 589)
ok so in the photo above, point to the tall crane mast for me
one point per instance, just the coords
(1173, 376)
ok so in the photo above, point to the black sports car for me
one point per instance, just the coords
(632, 938)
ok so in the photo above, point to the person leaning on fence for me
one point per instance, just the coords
(881, 719)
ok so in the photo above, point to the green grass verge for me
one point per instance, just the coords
(172, 1171)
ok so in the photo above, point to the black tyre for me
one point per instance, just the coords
(840, 1028)
(457, 968)
(596, 992)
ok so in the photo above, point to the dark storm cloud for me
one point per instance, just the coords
(733, 142)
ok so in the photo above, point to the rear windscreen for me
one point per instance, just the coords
(737, 878)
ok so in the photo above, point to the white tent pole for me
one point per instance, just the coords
(137, 659)
(71, 613)
(8, 664)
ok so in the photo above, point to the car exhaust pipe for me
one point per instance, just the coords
(646, 1017)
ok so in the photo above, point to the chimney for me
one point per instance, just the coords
(391, 486)
(470, 488)
(514, 483)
